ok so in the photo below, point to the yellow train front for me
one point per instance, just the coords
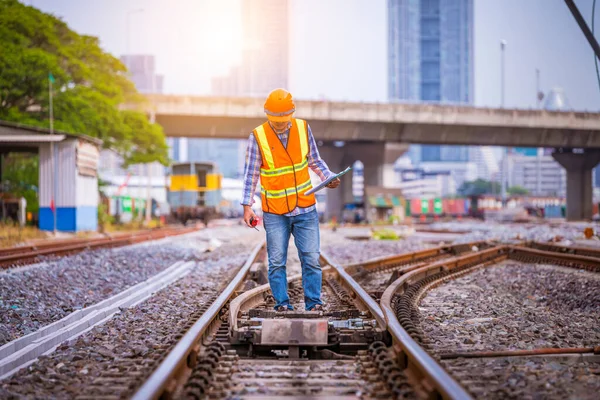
(194, 191)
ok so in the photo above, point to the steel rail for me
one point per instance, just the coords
(26, 254)
(428, 367)
(520, 353)
(563, 259)
(177, 359)
(412, 257)
(445, 385)
(575, 250)
(360, 292)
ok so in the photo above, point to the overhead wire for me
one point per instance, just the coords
(595, 57)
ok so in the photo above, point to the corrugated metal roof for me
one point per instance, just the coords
(31, 138)
(13, 129)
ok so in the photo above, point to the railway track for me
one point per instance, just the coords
(574, 250)
(377, 274)
(17, 256)
(473, 369)
(236, 346)
(242, 348)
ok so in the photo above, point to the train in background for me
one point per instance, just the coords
(194, 191)
(478, 206)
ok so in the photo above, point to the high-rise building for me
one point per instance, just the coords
(430, 50)
(265, 52)
(142, 70)
(485, 160)
(444, 153)
(430, 58)
(459, 171)
(541, 176)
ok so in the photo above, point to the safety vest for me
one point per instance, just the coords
(284, 171)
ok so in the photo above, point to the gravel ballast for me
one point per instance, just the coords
(527, 378)
(35, 296)
(517, 306)
(344, 250)
(514, 306)
(131, 343)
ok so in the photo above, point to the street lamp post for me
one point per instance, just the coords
(539, 96)
(148, 172)
(504, 159)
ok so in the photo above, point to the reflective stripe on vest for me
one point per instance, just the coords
(264, 145)
(283, 193)
(283, 170)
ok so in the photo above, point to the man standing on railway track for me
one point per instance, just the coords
(280, 152)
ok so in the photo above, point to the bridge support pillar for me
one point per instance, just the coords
(378, 161)
(579, 182)
(334, 205)
(372, 156)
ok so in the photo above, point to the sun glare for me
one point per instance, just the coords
(222, 37)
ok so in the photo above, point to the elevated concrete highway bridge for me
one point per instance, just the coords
(233, 117)
(370, 129)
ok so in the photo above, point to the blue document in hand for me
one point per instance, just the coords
(327, 181)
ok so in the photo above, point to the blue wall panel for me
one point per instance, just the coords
(46, 219)
(87, 218)
(69, 219)
(66, 219)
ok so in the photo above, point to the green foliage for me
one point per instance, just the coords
(103, 217)
(479, 187)
(89, 87)
(385, 234)
(517, 191)
(20, 173)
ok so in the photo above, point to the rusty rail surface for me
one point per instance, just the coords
(402, 296)
(575, 250)
(389, 262)
(520, 353)
(176, 366)
(168, 378)
(17, 256)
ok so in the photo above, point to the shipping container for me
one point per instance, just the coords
(415, 207)
(553, 212)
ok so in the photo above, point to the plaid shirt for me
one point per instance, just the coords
(254, 161)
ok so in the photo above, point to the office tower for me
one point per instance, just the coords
(430, 59)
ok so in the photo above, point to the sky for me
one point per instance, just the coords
(338, 48)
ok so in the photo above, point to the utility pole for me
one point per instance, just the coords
(505, 156)
(149, 177)
(539, 96)
(53, 205)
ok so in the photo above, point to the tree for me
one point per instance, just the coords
(21, 175)
(517, 191)
(90, 84)
(479, 187)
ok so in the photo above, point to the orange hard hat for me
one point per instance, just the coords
(279, 106)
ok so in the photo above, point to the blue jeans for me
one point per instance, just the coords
(305, 228)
